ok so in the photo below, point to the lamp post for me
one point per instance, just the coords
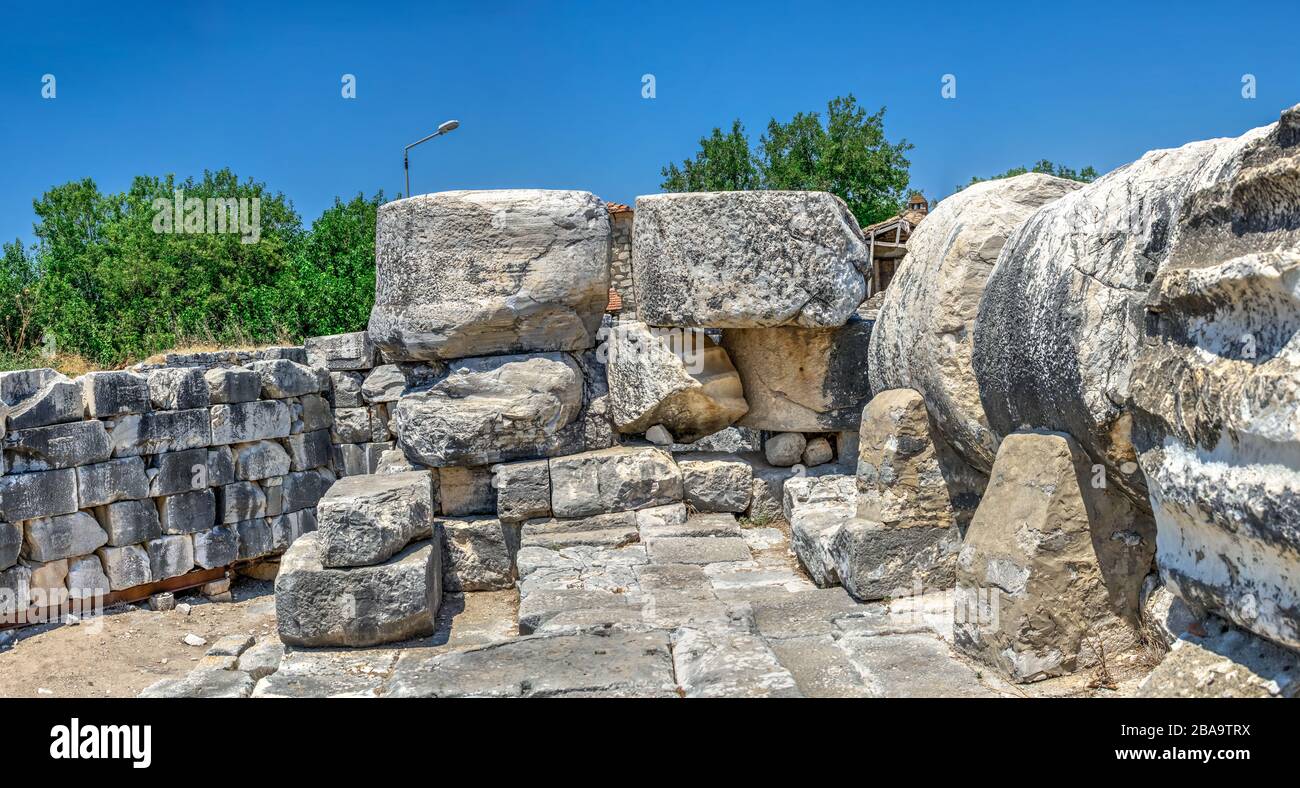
(448, 126)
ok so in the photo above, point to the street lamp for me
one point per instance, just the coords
(450, 125)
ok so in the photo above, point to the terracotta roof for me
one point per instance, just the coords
(618, 207)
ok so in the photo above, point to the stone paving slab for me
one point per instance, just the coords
(615, 664)
(698, 550)
(912, 666)
(698, 525)
(821, 669)
(728, 665)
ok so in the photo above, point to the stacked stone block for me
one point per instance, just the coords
(363, 391)
(119, 479)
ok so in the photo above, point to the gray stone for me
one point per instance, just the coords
(126, 566)
(611, 480)
(346, 387)
(188, 512)
(877, 561)
(178, 389)
(350, 459)
(18, 385)
(262, 659)
(221, 467)
(304, 488)
(825, 391)
(365, 520)
(698, 550)
(747, 259)
(384, 384)
(182, 471)
(170, 556)
(238, 501)
(395, 461)
(57, 401)
(523, 490)
(924, 334)
(244, 422)
(129, 522)
(653, 529)
(232, 385)
(602, 530)
(26, 496)
(86, 578)
(308, 450)
(1062, 316)
(713, 483)
(160, 432)
(361, 606)
(218, 546)
(230, 646)
(615, 664)
(656, 519)
(282, 378)
(15, 592)
(260, 460)
(351, 425)
(813, 531)
(478, 554)
(488, 410)
(817, 452)
(473, 273)
(912, 666)
(49, 583)
(255, 538)
(203, 684)
(64, 536)
(11, 542)
(1226, 662)
(784, 449)
(675, 379)
(114, 393)
(712, 664)
(1051, 565)
(819, 667)
(341, 351)
(56, 447)
(110, 481)
(311, 413)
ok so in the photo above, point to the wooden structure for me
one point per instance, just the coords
(888, 242)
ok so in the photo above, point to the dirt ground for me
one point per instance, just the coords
(129, 647)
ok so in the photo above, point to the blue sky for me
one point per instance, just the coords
(549, 95)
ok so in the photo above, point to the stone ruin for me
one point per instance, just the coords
(1067, 443)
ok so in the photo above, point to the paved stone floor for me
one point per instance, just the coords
(701, 608)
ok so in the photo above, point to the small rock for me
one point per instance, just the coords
(784, 449)
(162, 601)
(192, 639)
(183, 608)
(659, 436)
(817, 452)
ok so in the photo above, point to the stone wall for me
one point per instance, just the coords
(621, 279)
(117, 480)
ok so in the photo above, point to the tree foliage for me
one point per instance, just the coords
(1086, 175)
(108, 281)
(845, 153)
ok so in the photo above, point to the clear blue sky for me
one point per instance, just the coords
(549, 95)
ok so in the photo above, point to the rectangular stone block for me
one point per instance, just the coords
(523, 490)
(260, 460)
(365, 520)
(221, 466)
(613, 480)
(303, 489)
(170, 556)
(58, 401)
(185, 513)
(346, 389)
(129, 522)
(63, 536)
(18, 385)
(308, 450)
(232, 385)
(114, 480)
(240, 501)
(341, 351)
(26, 496)
(350, 459)
(126, 567)
(255, 538)
(282, 378)
(244, 422)
(478, 554)
(216, 547)
(374, 453)
(351, 425)
(178, 472)
(11, 542)
(114, 393)
(159, 432)
(463, 491)
(86, 578)
(57, 446)
(182, 388)
(313, 413)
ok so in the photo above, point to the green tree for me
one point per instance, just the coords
(723, 164)
(1086, 175)
(17, 304)
(846, 154)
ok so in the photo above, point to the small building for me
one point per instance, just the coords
(887, 241)
(622, 288)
